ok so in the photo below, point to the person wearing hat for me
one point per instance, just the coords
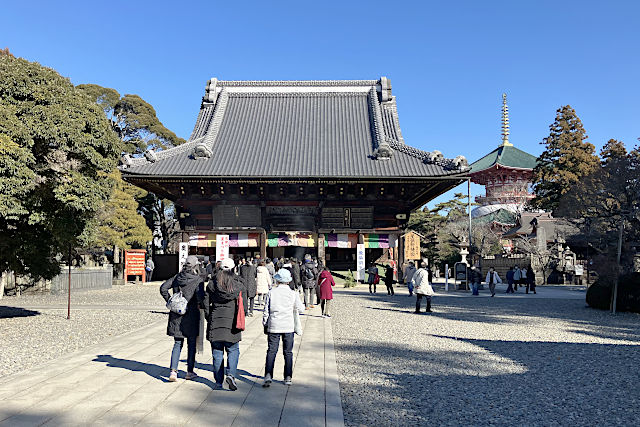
(187, 325)
(279, 324)
(220, 303)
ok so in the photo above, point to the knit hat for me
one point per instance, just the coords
(191, 261)
(283, 276)
(227, 264)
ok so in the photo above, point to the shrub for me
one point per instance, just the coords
(349, 281)
(599, 294)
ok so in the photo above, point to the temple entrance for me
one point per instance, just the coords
(297, 252)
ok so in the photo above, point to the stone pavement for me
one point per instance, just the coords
(124, 382)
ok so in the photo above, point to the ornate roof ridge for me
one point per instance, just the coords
(259, 83)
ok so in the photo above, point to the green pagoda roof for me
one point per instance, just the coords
(506, 156)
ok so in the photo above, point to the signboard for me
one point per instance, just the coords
(411, 246)
(579, 270)
(360, 258)
(183, 254)
(222, 247)
(134, 263)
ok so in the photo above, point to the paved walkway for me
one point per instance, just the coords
(124, 382)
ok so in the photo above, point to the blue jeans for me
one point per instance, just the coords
(474, 289)
(233, 354)
(287, 351)
(410, 286)
(191, 353)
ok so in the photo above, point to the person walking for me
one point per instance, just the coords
(271, 268)
(295, 273)
(388, 279)
(186, 326)
(372, 271)
(408, 276)
(509, 277)
(309, 276)
(475, 278)
(278, 322)
(221, 309)
(327, 283)
(492, 279)
(263, 282)
(523, 278)
(531, 280)
(422, 287)
(517, 276)
(149, 267)
(248, 272)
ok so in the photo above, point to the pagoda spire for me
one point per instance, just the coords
(505, 122)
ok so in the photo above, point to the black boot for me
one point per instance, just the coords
(429, 305)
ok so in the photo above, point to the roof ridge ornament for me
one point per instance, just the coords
(505, 123)
(202, 151)
(384, 151)
(151, 155)
(385, 89)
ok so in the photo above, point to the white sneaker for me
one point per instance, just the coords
(231, 382)
(287, 381)
(173, 377)
(267, 381)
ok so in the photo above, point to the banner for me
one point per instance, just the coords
(134, 263)
(183, 254)
(222, 247)
(361, 262)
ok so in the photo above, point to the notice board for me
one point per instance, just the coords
(411, 246)
(134, 263)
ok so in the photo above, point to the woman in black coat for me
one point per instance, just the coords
(186, 325)
(248, 272)
(220, 305)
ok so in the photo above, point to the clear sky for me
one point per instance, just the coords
(448, 61)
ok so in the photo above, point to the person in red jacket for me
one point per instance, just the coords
(326, 282)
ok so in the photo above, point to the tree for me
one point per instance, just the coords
(136, 123)
(56, 148)
(567, 158)
(119, 223)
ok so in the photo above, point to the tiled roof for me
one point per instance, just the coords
(506, 156)
(276, 129)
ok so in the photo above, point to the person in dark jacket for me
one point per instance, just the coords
(248, 272)
(295, 273)
(388, 279)
(220, 306)
(531, 280)
(475, 278)
(309, 276)
(187, 325)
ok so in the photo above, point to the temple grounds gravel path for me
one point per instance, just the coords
(523, 360)
(34, 328)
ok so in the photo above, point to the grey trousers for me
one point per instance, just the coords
(492, 288)
(309, 296)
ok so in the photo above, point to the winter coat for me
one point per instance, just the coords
(295, 273)
(510, 277)
(248, 274)
(496, 278)
(408, 273)
(388, 276)
(220, 311)
(326, 285)
(475, 276)
(279, 305)
(187, 325)
(263, 281)
(372, 271)
(271, 268)
(421, 282)
(308, 283)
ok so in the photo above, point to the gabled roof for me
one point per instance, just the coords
(342, 128)
(506, 156)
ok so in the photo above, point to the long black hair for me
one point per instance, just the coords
(224, 280)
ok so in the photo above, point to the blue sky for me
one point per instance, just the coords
(449, 62)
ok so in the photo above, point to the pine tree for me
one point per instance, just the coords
(568, 157)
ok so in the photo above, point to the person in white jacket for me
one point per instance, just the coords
(263, 281)
(492, 279)
(278, 321)
(422, 287)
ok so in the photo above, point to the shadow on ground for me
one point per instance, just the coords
(10, 312)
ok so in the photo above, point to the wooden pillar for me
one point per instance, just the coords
(321, 248)
(263, 244)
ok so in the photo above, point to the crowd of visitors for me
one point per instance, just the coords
(225, 292)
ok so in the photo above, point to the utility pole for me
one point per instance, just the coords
(618, 270)
(69, 290)
(469, 208)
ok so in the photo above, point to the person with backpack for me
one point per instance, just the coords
(222, 306)
(309, 276)
(187, 325)
(248, 272)
(279, 323)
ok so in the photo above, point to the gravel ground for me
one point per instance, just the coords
(41, 331)
(484, 361)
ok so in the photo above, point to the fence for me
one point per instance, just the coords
(83, 279)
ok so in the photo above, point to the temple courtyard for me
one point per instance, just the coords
(543, 359)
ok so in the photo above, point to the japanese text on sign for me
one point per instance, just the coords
(222, 247)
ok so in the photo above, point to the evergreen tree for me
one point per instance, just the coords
(567, 158)
(56, 148)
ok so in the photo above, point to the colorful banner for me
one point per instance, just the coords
(376, 241)
(305, 240)
(236, 240)
(345, 241)
(222, 247)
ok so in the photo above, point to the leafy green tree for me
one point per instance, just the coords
(567, 158)
(136, 123)
(56, 148)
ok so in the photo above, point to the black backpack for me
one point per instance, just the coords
(308, 274)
